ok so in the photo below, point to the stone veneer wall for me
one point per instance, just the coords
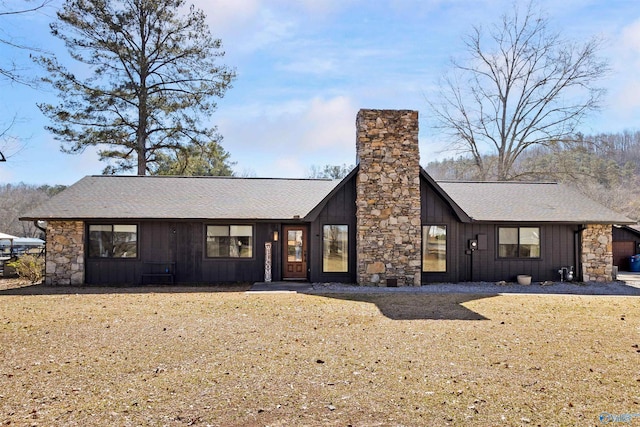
(597, 253)
(65, 253)
(388, 233)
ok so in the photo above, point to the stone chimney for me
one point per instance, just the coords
(389, 235)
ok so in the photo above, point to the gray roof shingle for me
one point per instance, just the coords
(170, 197)
(528, 202)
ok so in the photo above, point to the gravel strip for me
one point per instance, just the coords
(570, 288)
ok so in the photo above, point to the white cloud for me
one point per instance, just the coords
(631, 36)
(270, 29)
(286, 139)
(227, 15)
(624, 93)
(288, 167)
(251, 25)
(6, 174)
(330, 124)
(245, 26)
(315, 65)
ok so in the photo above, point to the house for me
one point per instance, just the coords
(387, 223)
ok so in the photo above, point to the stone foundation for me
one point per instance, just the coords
(597, 253)
(65, 253)
(389, 232)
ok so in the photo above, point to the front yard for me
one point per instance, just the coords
(149, 356)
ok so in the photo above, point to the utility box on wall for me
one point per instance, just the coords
(482, 242)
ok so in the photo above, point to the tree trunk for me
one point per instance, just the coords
(141, 133)
(142, 156)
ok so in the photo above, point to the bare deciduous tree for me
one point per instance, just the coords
(523, 85)
(10, 71)
(15, 200)
(329, 171)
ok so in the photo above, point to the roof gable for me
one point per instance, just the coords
(461, 214)
(318, 208)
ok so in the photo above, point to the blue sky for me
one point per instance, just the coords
(305, 67)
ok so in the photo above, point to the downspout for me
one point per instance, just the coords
(577, 252)
(44, 230)
(471, 262)
(471, 254)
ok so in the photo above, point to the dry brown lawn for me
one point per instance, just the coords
(223, 357)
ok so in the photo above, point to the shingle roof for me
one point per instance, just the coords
(170, 197)
(164, 197)
(528, 202)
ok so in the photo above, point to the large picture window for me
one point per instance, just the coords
(230, 241)
(113, 241)
(519, 242)
(335, 248)
(434, 248)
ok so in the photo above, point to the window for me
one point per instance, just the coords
(113, 241)
(294, 245)
(434, 248)
(519, 242)
(335, 248)
(230, 241)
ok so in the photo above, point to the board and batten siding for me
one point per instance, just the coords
(340, 209)
(558, 249)
(559, 243)
(183, 243)
(436, 211)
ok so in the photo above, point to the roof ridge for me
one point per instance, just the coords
(453, 181)
(212, 177)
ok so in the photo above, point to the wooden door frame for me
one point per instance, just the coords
(305, 245)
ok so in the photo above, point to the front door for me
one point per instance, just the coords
(295, 252)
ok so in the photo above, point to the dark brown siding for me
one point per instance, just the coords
(557, 250)
(558, 247)
(242, 270)
(339, 210)
(435, 211)
(189, 252)
(183, 244)
(112, 272)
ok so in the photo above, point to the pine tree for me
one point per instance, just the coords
(152, 77)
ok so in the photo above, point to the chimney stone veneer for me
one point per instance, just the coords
(388, 233)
